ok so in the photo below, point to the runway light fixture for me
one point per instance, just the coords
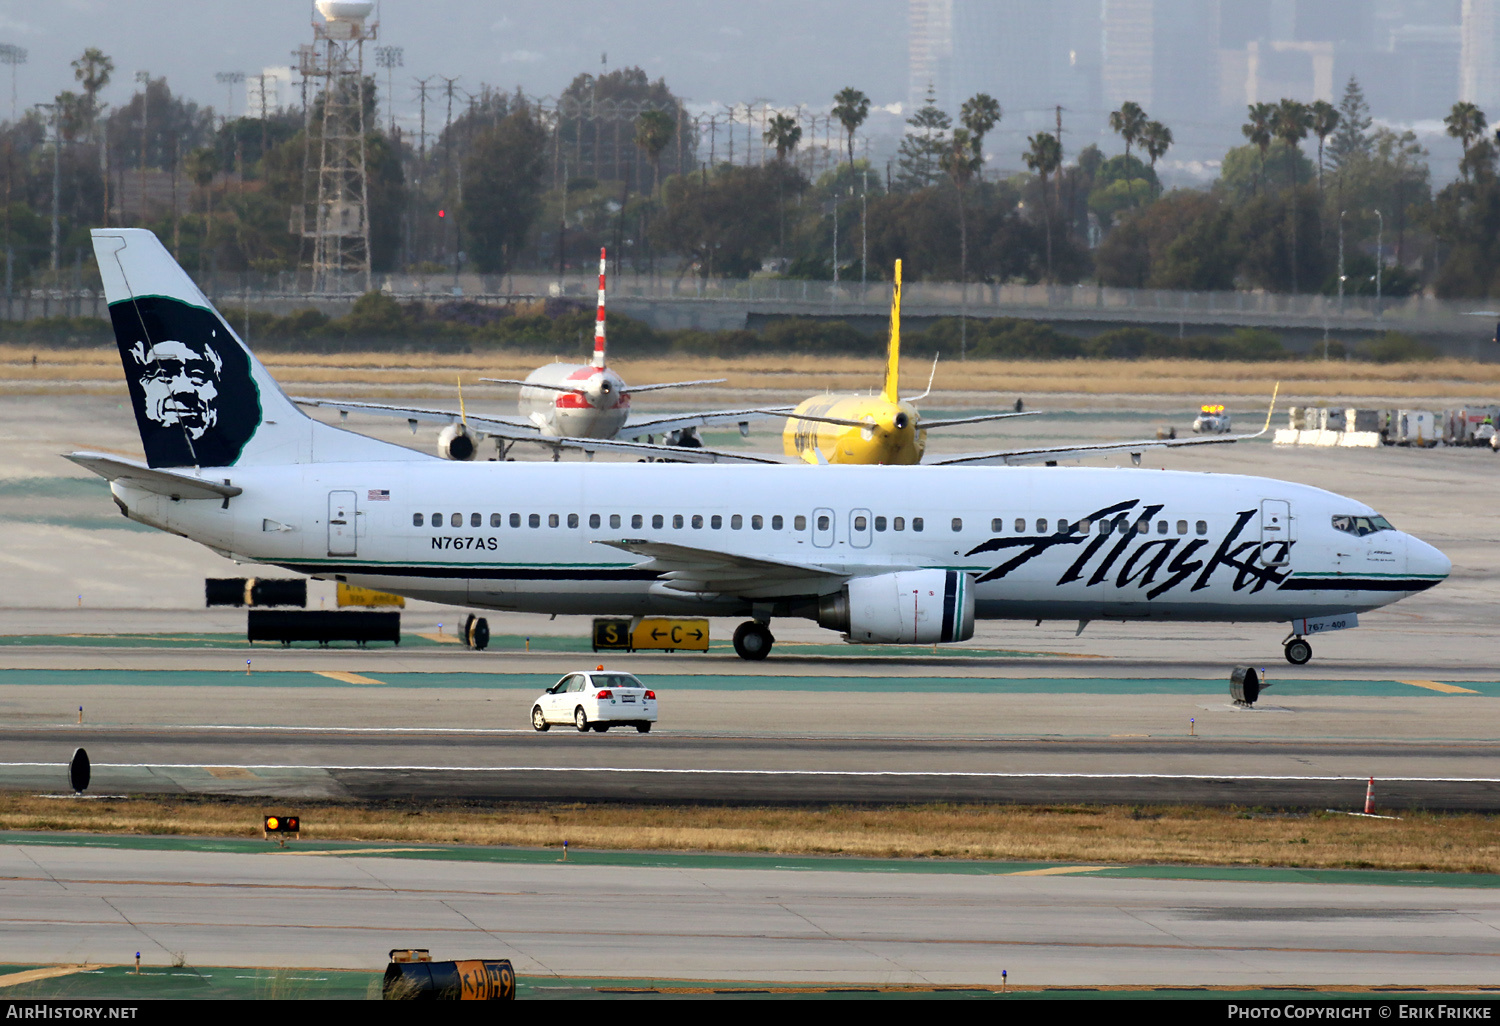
(280, 826)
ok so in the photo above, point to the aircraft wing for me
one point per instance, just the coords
(956, 421)
(669, 453)
(690, 570)
(1052, 454)
(663, 424)
(175, 484)
(502, 427)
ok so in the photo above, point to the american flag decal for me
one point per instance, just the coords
(380, 495)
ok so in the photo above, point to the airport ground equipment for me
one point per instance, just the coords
(79, 771)
(1245, 686)
(421, 979)
(476, 633)
(596, 701)
(323, 627)
(255, 591)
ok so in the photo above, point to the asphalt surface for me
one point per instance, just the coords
(562, 765)
(1049, 926)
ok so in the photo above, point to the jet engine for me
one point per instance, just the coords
(455, 443)
(915, 607)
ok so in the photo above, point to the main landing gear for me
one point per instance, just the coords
(1298, 651)
(753, 641)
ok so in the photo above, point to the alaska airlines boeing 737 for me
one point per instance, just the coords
(889, 555)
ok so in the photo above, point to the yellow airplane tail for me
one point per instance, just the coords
(893, 350)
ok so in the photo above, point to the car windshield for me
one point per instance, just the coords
(1361, 526)
(616, 680)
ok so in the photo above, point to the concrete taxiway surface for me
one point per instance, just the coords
(741, 919)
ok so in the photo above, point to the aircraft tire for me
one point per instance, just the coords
(1298, 652)
(753, 641)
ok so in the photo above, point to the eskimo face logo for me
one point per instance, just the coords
(181, 383)
(196, 401)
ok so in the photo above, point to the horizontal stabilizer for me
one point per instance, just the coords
(171, 483)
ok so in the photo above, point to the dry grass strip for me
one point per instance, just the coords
(410, 374)
(1465, 843)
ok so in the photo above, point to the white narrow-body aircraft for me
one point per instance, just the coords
(563, 406)
(888, 555)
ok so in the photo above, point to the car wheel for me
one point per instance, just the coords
(644, 728)
(539, 721)
(581, 720)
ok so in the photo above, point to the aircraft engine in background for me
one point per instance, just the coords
(922, 607)
(457, 443)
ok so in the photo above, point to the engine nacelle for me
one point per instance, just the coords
(915, 607)
(455, 443)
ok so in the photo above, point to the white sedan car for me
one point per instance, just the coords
(596, 700)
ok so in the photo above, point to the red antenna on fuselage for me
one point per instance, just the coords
(599, 321)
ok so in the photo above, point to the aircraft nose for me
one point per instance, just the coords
(1423, 560)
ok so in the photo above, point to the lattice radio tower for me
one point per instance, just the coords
(336, 213)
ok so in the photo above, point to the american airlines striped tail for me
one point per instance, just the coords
(599, 319)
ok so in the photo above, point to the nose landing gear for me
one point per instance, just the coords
(753, 641)
(1298, 651)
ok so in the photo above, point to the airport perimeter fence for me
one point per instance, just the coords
(287, 292)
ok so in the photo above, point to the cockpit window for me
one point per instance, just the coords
(1361, 526)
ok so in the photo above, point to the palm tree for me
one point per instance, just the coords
(92, 71)
(961, 161)
(980, 114)
(653, 131)
(784, 134)
(1325, 121)
(851, 107)
(1157, 138)
(1465, 122)
(1290, 123)
(1258, 130)
(1128, 123)
(1045, 157)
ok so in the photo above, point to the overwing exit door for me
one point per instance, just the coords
(343, 524)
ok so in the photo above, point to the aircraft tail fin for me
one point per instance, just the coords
(891, 391)
(599, 319)
(201, 398)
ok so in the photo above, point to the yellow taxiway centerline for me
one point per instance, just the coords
(1433, 685)
(31, 975)
(347, 678)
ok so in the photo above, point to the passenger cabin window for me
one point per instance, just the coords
(515, 520)
(1062, 527)
(777, 523)
(457, 520)
(1143, 527)
(677, 521)
(416, 520)
(1161, 527)
(637, 522)
(1361, 526)
(958, 524)
(736, 523)
(997, 525)
(535, 520)
(497, 519)
(1041, 527)
(880, 524)
(757, 523)
(1202, 527)
(437, 520)
(800, 524)
(898, 524)
(697, 522)
(475, 520)
(717, 523)
(1182, 527)
(658, 522)
(553, 520)
(1020, 526)
(573, 520)
(614, 521)
(594, 521)
(916, 523)
(823, 523)
(861, 524)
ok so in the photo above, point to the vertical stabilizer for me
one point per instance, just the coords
(201, 398)
(893, 350)
(599, 319)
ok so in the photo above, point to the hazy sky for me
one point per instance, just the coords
(708, 50)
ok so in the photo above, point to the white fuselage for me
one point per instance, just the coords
(597, 409)
(518, 536)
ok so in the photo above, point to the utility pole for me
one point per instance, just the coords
(390, 58)
(143, 78)
(14, 56)
(1379, 262)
